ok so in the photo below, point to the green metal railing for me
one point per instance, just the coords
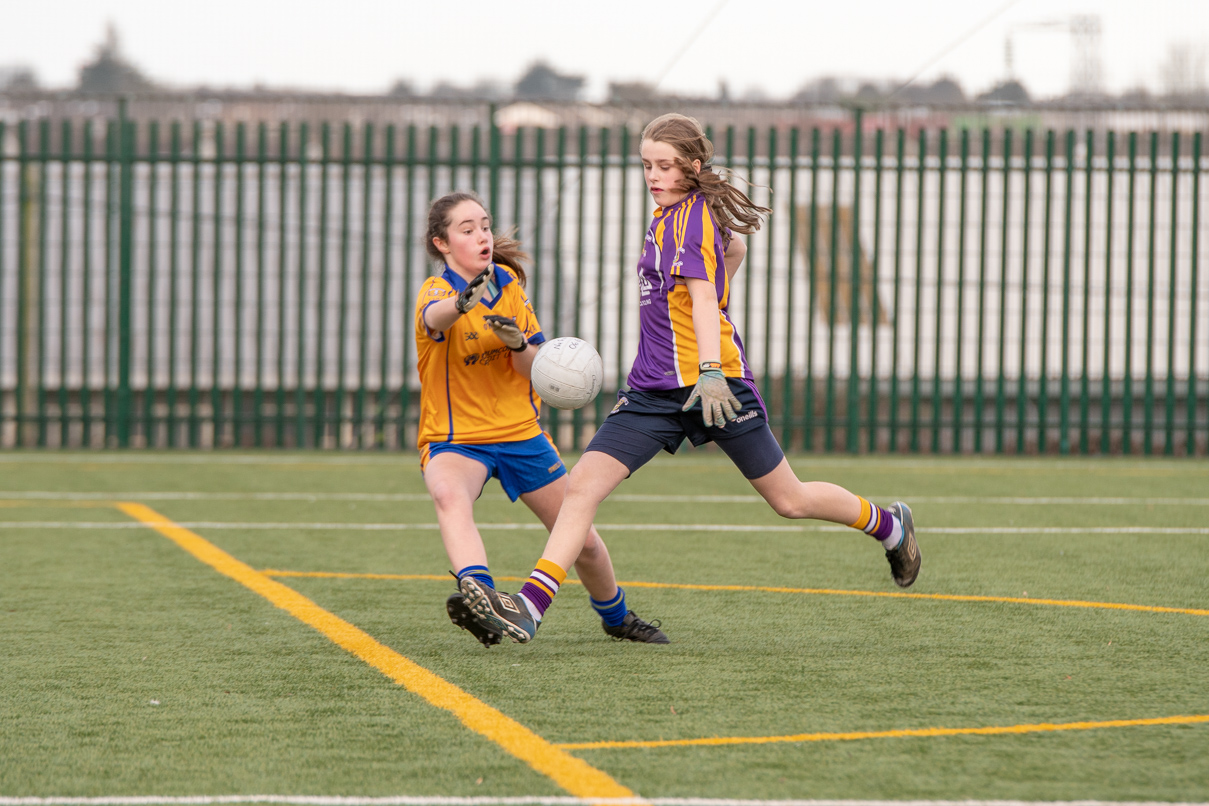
(215, 284)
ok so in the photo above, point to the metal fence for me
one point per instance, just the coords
(213, 285)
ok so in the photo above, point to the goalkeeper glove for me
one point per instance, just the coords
(474, 290)
(508, 330)
(718, 402)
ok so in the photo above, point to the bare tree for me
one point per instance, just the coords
(1183, 72)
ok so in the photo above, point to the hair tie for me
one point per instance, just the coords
(707, 167)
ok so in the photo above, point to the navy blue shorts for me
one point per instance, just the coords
(643, 423)
(521, 467)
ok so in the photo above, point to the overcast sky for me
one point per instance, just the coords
(688, 46)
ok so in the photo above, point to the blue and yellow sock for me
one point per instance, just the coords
(479, 572)
(880, 523)
(613, 611)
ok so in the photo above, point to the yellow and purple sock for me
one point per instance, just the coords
(879, 523)
(613, 611)
(541, 587)
(479, 572)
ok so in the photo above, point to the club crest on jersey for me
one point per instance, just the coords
(677, 262)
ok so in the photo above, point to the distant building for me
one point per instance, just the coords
(109, 72)
(18, 79)
(942, 92)
(401, 89)
(825, 90)
(543, 83)
(1008, 92)
(482, 91)
(631, 92)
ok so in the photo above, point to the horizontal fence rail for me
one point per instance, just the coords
(212, 285)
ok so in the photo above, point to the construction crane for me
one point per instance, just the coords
(1084, 29)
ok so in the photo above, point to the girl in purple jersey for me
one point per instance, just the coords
(690, 380)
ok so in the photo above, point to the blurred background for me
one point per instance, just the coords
(988, 223)
(755, 51)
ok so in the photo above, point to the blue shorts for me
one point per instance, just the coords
(521, 467)
(643, 423)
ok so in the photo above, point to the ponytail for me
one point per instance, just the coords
(507, 251)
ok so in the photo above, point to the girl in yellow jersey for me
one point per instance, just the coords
(476, 337)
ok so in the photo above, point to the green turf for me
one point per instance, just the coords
(99, 623)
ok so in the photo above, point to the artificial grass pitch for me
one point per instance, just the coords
(130, 668)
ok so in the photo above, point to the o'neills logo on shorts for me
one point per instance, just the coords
(745, 417)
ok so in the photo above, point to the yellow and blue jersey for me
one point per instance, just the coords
(683, 241)
(469, 392)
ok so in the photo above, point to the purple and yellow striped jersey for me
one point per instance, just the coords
(469, 392)
(683, 241)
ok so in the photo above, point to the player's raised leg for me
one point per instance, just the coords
(893, 527)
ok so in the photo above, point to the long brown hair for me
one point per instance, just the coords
(730, 206)
(505, 250)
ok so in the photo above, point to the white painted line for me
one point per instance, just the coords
(525, 800)
(1061, 501)
(408, 459)
(47, 495)
(1111, 467)
(162, 495)
(622, 527)
(1024, 501)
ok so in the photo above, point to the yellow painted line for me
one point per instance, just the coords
(1043, 727)
(572, 774)
(944, 597)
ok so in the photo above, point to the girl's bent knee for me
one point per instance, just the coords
(792, 508)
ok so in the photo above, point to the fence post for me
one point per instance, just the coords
(125, 250)
(852, 431)
(29, 202)
(493, 159)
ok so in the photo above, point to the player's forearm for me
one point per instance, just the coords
(705, 319)
(440, 316)
(522, 360)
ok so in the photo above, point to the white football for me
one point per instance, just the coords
(567, 373)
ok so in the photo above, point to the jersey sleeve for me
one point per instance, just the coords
(694, 239)
(433, 290)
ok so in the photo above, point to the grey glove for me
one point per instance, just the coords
(718, 402)
(474, 290)
(508, 330)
